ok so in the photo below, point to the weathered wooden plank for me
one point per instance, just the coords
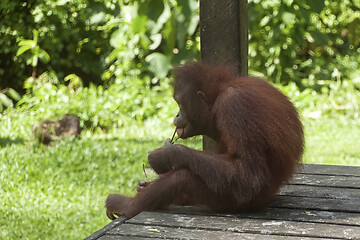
(327, 181)
(319, 192)
(315, 205)
(244, 225)
(169, 232)
(273, 213)
(330, 170)
(314, 216)
(102, 232)
(337, 205)
(123, 237)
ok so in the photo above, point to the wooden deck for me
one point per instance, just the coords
(322, 202)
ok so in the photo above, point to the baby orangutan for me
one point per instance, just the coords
(259, 141)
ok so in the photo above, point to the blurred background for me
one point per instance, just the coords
(109, 63)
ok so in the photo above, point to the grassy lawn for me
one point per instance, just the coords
(333, 141)
(58, 192)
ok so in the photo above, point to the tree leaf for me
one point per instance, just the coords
(35, 36)
(116, 37)
(288, 2)
(156, 38)
(161, 20)
(264, 21)
(194, 22)
(159, 64)
(5, 100)
(14, 94)
(97, 18)
(288, 18)
(23, 49)
(26, 42)
(44, 56)
(34, 61)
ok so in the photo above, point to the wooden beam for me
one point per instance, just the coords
(224, 37)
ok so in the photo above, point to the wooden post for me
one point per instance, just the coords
(224, 37)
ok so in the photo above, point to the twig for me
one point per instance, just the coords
(182, 131)
(145, 173)
(172, 138)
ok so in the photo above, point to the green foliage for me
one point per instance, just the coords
(68, 31)
(97, 107)
(36, 52)
(303, 40)
(137, 42)
(74, 81)
(7, 96)
(335, 99)
(150, 37)
(134, 45)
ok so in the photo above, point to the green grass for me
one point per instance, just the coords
(333, 141)
(58, 192)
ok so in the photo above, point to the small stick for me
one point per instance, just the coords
(172, 138)
(182, 131)
(147, 180)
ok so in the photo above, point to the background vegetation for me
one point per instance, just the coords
(109, 61)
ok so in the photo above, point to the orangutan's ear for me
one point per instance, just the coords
(202, 96)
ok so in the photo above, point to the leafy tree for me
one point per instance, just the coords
(69, 31)
(303, 40)
(150, 37)
(137, 41)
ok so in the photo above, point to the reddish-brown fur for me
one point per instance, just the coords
(259, 142)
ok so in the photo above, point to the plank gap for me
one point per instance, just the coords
(325, 186)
